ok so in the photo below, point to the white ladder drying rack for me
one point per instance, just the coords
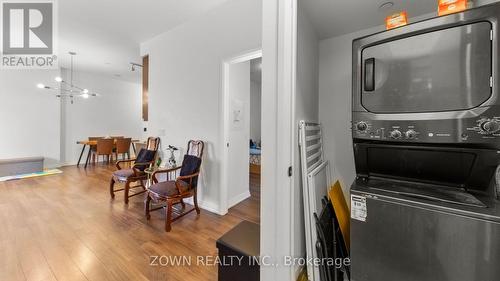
(315, 181)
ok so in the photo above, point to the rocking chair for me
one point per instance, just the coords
(173, 192)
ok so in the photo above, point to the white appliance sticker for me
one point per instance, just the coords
(358, 208)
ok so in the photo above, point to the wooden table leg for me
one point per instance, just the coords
(88, 157)
(81, 154)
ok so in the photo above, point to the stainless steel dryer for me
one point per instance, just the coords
(426, 132)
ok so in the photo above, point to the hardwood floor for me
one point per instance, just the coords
(249, 209)
(65, 227)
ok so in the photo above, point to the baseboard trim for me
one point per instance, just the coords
(238, 198)
(205, 205)
(211, 207)
(82, 163)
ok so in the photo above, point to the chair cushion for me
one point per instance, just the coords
(168, 188)
(190, 165)
(124, 174)
(145, 156)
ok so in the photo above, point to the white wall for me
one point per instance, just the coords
(239, 133)
(255, 110)
(29, 117)
(116, 112)
(306, 108)
(185, 81)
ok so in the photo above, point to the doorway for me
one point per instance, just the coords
(240, 192)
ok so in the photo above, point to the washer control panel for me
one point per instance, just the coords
(396, 134)
(488, 126)
(485, 129)
(366, 129)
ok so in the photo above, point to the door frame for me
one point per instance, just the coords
(225, 104)
(279, 62)
(279, 44)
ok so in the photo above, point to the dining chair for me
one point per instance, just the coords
(94, 147)
(116, 138)
(105, 148)
(122, 146)
(181, 183)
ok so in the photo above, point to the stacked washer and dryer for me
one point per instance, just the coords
(426, 131)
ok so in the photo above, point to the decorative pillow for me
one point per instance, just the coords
(190, 165)
(145, 156)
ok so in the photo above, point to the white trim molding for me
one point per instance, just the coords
(278, 86)
(224, 101)
(205, 205)
(238, 198)
(211, 207)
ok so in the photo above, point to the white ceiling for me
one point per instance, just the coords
(337, 17)
(107, 34)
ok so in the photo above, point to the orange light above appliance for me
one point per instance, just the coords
(446, 7)
(396, 20)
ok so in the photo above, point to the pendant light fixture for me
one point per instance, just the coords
(69, 89)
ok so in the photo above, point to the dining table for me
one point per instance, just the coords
(91, 143)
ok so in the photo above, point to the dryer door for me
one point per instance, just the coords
(443, 70)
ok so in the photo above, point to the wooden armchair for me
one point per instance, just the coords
(153, 143)
(134, 173)
(174, 191)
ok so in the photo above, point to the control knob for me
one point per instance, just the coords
(362, 126)
(396, 134)
(490, 126)
(411, 134)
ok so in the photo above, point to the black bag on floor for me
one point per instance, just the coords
(330, 244)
